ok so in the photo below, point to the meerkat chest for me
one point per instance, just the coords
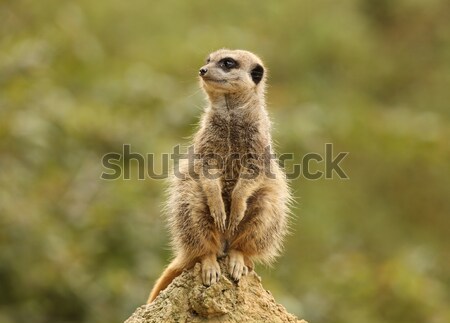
(238, 141)
(232, 133)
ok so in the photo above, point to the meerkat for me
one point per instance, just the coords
(240, 210)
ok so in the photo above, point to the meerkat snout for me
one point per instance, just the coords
(203, 71)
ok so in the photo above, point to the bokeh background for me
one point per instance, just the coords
(79, 79)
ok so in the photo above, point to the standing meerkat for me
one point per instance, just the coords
(240, 209)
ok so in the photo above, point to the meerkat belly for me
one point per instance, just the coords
(234, 142)
(242, 147)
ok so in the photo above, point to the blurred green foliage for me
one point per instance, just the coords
(79, 79)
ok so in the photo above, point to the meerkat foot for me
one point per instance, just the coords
(236, 265)
(210, 270)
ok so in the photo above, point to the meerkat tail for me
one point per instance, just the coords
(173, 270)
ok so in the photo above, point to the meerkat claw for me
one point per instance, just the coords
(219, 219)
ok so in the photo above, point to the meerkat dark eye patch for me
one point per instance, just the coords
(257, 73)
(228, 63)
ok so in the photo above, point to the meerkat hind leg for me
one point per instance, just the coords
(210, 269)
(236, 264)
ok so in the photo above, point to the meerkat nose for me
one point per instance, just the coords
(203, 71)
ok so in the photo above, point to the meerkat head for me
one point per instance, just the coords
(232, 71)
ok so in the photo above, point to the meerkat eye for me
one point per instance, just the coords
(228, 63)
(208, 60)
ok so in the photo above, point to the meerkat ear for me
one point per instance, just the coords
(257, 73)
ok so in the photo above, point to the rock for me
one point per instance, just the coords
(187, 300)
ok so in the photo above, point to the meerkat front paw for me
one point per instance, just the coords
(237, 212)
(219, 215)
(236, 265)
(210, 270)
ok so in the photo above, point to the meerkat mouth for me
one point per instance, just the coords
(208, 79)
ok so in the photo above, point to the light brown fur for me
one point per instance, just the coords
(233, 213)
